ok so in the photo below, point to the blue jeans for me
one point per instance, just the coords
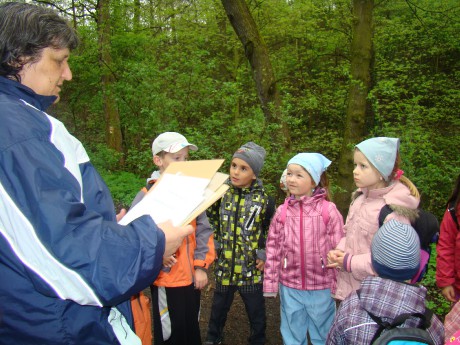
(306, 311)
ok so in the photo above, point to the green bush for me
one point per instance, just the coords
(123, 186)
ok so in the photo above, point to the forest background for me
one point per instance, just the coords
(292, 75)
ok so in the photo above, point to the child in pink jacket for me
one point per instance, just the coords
(379, 181)
(302, 232)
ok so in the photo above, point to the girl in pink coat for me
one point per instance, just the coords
(301, 234)
(378, 178)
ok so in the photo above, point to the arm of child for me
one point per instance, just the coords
(361, 266)
(201, 278)
(260, 264)
(169, 261)
(336, 232)
(445, 270)
(205, 252)
(449, 293)
(273, 251)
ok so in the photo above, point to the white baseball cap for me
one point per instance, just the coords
(171, 142)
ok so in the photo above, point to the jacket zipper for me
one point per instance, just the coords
(232, 271)
(302, 252)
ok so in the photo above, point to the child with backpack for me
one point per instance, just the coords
(301, 234)
(240, 221)
(387, 308)
(379, 182)
(448, 247)
(176, 291)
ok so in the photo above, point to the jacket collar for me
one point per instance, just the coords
(18, 90)
(319, 194)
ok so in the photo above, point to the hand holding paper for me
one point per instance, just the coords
(174, 236)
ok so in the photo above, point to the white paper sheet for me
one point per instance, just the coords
(174, 198)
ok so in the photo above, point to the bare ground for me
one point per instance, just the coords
(237, 326)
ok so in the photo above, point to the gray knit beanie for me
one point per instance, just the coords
(252, 154)
(395, 251)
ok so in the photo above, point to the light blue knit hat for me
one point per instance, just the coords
(381, 152)
(314, 163)
(395, 251)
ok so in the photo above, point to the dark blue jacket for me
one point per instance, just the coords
(67, 269)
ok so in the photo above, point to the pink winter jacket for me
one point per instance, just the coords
(297, 250)
(361, 225)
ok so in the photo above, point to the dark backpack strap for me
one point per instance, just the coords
(384, 212)
(399, 320)
(270, 209)
(453, 213)
(269, 212)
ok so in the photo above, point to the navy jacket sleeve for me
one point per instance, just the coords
(58, 218)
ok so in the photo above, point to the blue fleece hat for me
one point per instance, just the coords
(395, 251)
(381, 152)
(314, 163)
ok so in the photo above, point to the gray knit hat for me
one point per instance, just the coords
(252, 154)
(395, 251)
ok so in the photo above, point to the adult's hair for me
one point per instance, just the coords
(455, 197)
(25, 30)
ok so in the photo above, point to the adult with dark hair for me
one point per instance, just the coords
(68, 269)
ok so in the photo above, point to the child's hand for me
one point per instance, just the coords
(260, 264)
(335, 259)
(169, 261)
(449, 293)
(201, 279)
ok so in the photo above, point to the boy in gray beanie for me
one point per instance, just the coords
(240, 221)
(395, 252)
(252, 154)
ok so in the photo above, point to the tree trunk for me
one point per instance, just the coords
(256, 52)
(360, 83)
(111, 115)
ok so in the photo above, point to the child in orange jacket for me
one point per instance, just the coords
(176, 291)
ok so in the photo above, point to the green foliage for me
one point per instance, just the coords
(435, 300)
(182, 68)
(123, 186)
(104, 158)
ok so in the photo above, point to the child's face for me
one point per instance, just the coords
(163, 162)
(364, 173)
(299, 181)
(241, 174)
